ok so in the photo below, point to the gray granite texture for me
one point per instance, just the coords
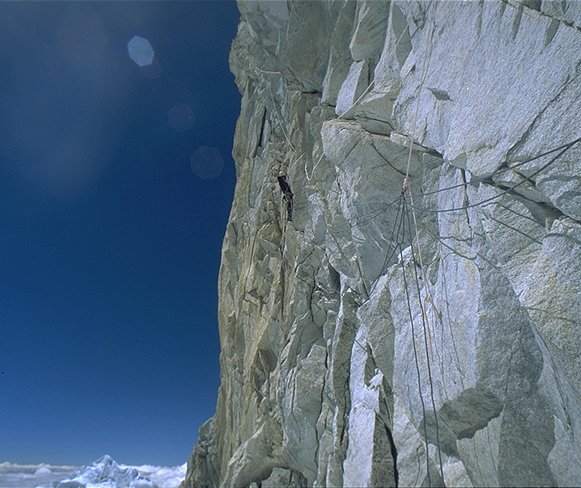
(417, 322)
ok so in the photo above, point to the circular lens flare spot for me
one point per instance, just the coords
(140, 51)
(207, 163)
(181, 117)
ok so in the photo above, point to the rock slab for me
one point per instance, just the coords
(417, 322)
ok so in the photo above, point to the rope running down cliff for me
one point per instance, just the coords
(563, 149)
(381, 210)
(406, 190)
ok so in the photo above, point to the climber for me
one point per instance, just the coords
(405, 187)
(288, 194)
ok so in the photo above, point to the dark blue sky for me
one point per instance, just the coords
(109, 243)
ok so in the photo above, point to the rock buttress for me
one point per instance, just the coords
(417, 322)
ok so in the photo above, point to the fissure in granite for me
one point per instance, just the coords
(417, 321)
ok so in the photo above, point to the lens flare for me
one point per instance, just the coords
(207, 163)
(140, 51)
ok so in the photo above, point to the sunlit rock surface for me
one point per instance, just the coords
(418, 321)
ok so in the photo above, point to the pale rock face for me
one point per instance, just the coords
(417, 322)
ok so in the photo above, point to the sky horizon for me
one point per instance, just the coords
(116, 182)
(43, 475)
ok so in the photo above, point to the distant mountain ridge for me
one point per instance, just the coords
(106, 473)
(102, 473)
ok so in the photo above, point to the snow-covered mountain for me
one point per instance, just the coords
(106, 473)
(103, 473)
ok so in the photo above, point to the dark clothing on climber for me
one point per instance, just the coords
(288, 195)
(284, 186)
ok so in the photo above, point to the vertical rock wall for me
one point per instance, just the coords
(417, 322)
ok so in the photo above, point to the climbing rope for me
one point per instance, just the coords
(416, 361)
(426, 331)
(563, 150)
(405, 225)
(406, 190)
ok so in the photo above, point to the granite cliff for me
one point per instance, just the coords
(417, 322)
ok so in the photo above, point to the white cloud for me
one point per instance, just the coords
(14, 475)
(163, 476)
(8, 467)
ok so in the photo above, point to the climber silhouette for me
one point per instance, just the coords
(288, 195)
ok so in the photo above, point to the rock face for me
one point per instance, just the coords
(418, 321)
